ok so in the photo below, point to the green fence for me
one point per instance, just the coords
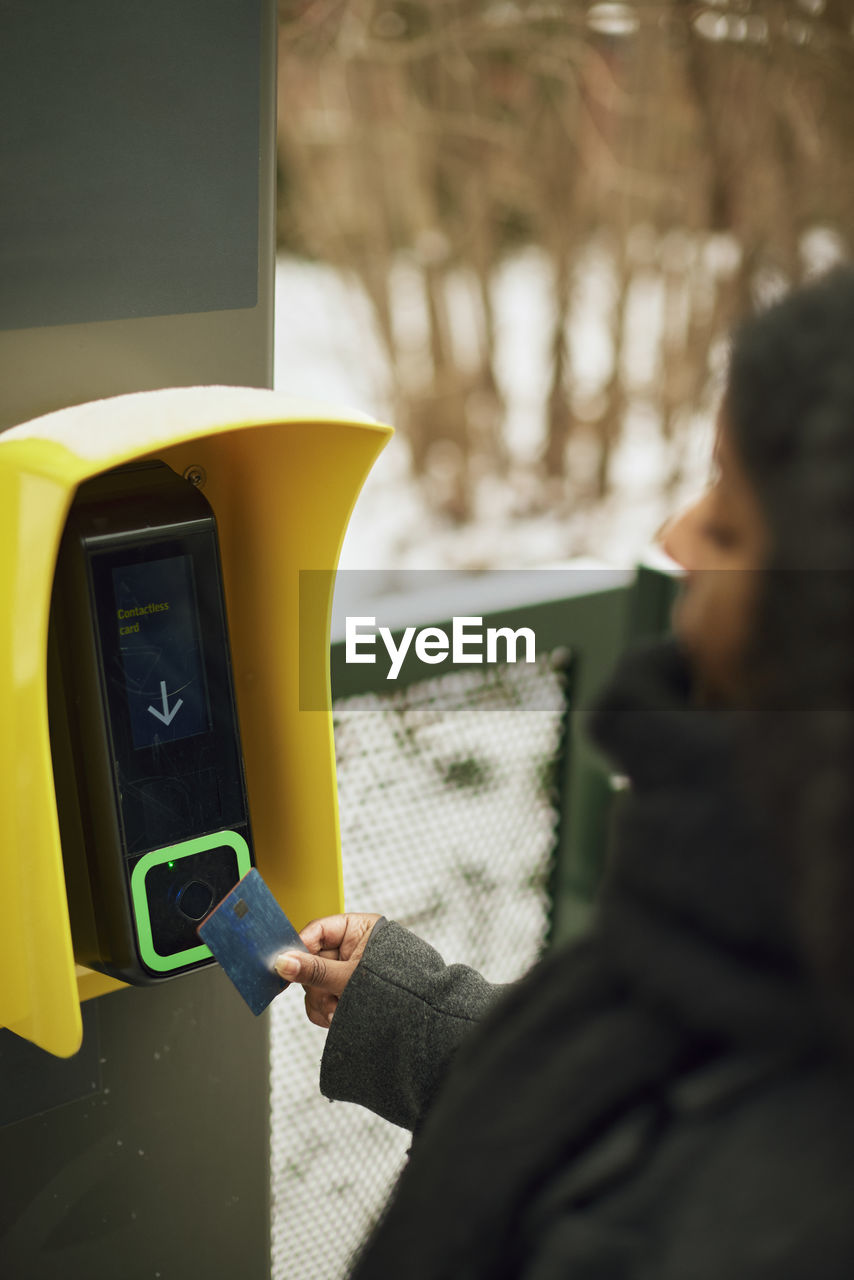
(580, 633)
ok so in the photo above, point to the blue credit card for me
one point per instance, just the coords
(245, 932)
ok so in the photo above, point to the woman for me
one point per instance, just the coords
(672, 1097)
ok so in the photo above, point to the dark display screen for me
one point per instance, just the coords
(157, 621)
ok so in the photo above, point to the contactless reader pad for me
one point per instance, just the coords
(148, 767)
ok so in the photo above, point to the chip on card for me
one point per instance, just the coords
(245, 932)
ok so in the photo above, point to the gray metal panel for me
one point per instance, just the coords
(213, 335)
(147, 1154)
(163, 1169)
(71, 364)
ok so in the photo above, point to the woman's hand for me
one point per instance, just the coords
(335, 944)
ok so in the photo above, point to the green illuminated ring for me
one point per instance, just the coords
(190, 955)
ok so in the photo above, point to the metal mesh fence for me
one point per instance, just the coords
(448, 815)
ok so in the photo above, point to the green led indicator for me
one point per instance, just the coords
(171, 856)
(170, 865)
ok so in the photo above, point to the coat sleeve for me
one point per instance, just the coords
(401, 1018)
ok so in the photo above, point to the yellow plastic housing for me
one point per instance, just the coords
(282, 476)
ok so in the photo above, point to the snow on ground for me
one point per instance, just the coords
(327, 348)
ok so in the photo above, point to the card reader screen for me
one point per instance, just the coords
(158, 628)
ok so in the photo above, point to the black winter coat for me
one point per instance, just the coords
(661, 1101)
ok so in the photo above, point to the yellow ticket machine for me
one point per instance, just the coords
(153, 745)
(147, 759)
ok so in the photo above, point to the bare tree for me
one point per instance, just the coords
(438, 138)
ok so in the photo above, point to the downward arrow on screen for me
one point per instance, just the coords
(166, 715)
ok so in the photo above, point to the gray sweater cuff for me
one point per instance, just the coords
(401, 1018)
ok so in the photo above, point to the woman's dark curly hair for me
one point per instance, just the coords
(789, 408)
